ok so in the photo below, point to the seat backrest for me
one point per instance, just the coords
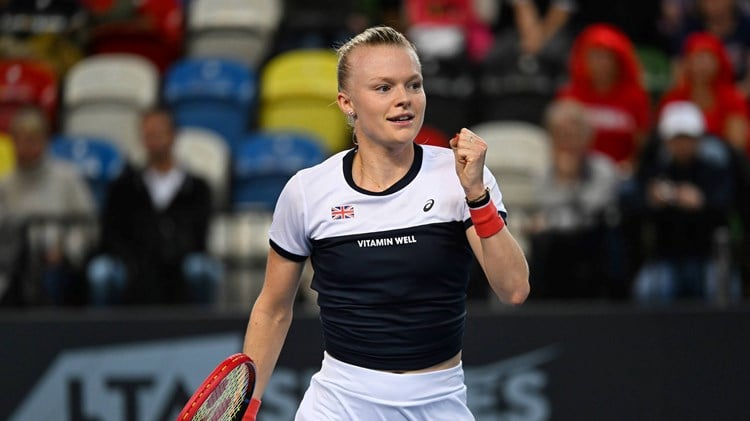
(298, 91)
(264, 162)
(27, 82)
(275, 153)
(121, 78)
(146, 44)
(215, 94)
(300, 73)
(7, 155)
(206, 154)
(209, 78)
(515, 145)
(98, 160)
(518, 154)
(254, 15)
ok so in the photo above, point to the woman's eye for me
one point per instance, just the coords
(416, 86)
(383, 88)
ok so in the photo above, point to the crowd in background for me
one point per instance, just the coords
(644, 105)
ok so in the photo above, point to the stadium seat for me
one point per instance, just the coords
(298, 93)
(98, 160)
(263, 164)
(241, 30)
(23, 83)
(153, 30)
(206, 154)
(215, 94)
(7, 156)
(518, 154)
(104, 95)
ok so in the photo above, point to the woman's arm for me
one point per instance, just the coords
(271, 317)
(503, 263)
(497, 251)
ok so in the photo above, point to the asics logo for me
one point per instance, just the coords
(428, 205)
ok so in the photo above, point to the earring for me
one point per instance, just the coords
(352, 114)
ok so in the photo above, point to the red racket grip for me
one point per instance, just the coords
(252, 410)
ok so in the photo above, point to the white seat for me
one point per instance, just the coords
(104, 95)
(233, 29)
(116, 122)
(518, 154)
(205, 154)
(240, 239)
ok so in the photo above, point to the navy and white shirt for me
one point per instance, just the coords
(391, 268)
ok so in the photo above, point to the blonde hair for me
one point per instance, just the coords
(376, 35)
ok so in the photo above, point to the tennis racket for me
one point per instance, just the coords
(225, 394)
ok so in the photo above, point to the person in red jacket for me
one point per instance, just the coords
(706, 80)
(605, 76)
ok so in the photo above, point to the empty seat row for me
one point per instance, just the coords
(250, 178)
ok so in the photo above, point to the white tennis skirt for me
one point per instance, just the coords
(344, 392)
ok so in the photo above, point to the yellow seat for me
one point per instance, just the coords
(7, 156)
(298, 93)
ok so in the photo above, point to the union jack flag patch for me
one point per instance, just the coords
(342, 212)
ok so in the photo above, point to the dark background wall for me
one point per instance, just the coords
(571, 362)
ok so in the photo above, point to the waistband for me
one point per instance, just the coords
(391, 388)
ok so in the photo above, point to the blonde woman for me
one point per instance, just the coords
(390, 227)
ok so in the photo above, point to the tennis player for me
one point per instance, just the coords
(390, 227)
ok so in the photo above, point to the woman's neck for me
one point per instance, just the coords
(377, 169)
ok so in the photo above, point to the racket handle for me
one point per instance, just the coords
(252, 410)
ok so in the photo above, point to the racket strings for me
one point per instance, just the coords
(226, 399)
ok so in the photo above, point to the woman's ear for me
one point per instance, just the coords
(345, 104)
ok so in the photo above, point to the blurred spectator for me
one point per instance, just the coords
(605, 77)
(154, 228)
(706, 80)
(42, 187)
(535, 23)
(684, 190)
(570, 256)
(526, 65)
(726, 20)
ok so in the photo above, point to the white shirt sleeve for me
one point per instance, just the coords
(288, 229)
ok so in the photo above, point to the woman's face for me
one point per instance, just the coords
(702, 67)
(384, 90)
(602, 66)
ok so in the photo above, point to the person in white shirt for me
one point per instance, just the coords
(154, 230)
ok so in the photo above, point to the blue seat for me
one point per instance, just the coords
(265, 161)
(212, 93)
(99, 160)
